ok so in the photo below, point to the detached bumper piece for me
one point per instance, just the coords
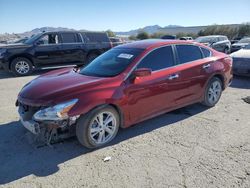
(47, 132)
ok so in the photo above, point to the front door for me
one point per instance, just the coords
(150, 95)
(48, 50)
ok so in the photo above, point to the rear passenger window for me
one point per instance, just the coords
(206, 52)
(69, 38)
(158, 59)
(187, 53)
(221, 38)
(96, 37)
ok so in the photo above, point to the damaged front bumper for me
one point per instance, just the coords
(46, 132)
(31, 125)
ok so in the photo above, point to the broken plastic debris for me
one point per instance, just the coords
(107, 159)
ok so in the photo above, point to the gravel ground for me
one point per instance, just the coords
(191, 147)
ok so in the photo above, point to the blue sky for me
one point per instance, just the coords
(118, 15)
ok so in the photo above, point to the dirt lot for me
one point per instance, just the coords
(191, 147)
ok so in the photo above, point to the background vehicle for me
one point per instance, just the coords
(171, 37)
(241, 61)
(2, 42)
(53, 49)
(186, 38)
(115, 41)
(236, 39)
(240, 44)
(124, 86)
(217, 42)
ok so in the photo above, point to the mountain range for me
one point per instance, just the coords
(170, 29)
(149, 29)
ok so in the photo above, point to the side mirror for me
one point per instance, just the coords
(212, 43)
(39, 42)
(142, 72)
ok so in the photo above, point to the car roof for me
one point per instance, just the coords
(214, 36)
(73, 31)
(152, 43)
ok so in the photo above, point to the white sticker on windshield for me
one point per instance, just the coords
(126, 56)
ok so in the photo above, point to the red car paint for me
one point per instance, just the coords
(145, 98)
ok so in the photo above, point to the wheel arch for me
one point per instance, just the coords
(102, 105)
(217, 75)
(20, 56)
(116, 107)
(221, 77)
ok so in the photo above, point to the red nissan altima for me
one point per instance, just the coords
(126, 85)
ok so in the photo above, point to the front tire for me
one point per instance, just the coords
(213, 92)
(98, 127)
(21, 66)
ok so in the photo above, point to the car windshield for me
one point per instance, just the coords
(33, 38)
(111, 63)
(205, 39)
(245, 40)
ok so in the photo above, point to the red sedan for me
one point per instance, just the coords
(126, 85)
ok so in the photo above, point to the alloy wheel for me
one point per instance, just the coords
(22, 67)
(214, 92)
(103, 127)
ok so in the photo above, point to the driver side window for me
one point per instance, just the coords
(158, 59)
(48, 39)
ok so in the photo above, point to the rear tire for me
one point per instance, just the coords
(21, 66)
(213, 92)
(91, 129)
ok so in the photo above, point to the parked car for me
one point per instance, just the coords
(115, 41)
(126, 85)
(3, 41)
(53, 49)
(241, 61)
(236, 39)
(170, 37)
(186, 38)
(217, 42)
(240, 44)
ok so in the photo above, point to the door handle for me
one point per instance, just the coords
(206, 66)
(173, 76)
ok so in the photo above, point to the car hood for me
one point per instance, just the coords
(57, 86)
(15, 45)
(243, 53)
(206, 43)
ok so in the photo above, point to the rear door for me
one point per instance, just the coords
(97, 40)
(73, 50)
(193, 71)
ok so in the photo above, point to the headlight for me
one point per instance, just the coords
(57, 112)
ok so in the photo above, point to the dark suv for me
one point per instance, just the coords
(217, 42)
(52, 50)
